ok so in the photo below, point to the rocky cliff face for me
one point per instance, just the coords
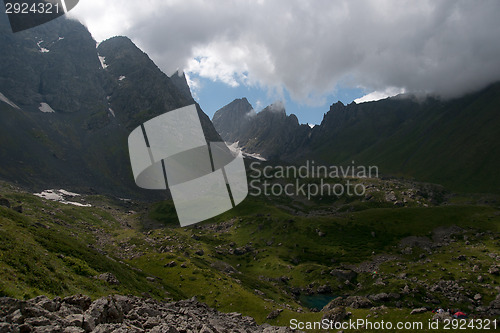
(120, 314)
(454, 143)
(230, 121)
(67, 107)
(270, 132)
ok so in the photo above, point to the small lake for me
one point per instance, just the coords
(316, 301)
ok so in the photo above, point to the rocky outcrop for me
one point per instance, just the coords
(77, 314)
(271, 132)
(75, 106)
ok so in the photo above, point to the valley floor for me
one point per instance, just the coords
(271, 259)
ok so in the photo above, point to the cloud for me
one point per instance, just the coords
(378, 95)
(311, 48)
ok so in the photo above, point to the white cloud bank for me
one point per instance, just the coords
(378, 95)
(311, 48)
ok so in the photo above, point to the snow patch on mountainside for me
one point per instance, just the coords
(45, 108)
(103, 62)
(42, 49)
(8, 101)
(61, 196)
(235, 148)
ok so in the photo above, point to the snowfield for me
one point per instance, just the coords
(45, 108)
(61, 196)
(8, 101)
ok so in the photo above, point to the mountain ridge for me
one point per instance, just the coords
(92, 97)
(403, 135)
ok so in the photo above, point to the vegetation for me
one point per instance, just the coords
(253, 259)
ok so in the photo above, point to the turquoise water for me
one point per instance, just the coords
(316, 301)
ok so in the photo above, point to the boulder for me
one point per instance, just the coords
(336, 314)
(108, 277)
(344, 274)
(4, 202)
(358, 302)
(82, 302)
(274, 314)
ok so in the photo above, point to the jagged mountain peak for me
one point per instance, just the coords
(77, 105)
(180, 81)
(266, 131)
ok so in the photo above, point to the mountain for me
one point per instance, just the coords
(270, 132)
(67, 107)
(454, 143)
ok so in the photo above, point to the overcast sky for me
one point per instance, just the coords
(310, 52)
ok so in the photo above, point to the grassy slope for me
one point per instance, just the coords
(56, 249)
(454, 143)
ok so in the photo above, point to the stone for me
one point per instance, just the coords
(442, 317)
(358, 302)
(494, 270)
(127, 314)
(171, 264)
(4, 202)
(336, 314)
(274, 314)
(108, 277)
(418, 311)
(80, 301)
(344, 275)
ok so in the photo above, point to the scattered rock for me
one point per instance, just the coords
(324, 289)
(171, 264)
(274, 314)
(336, 314)
(82, 302)
(339, 301)
(442, 317)
(4, 202)
(123, 314)
(358, 302)
(390, 196)
(418, 310)
(494, 270)
(344, 275)
(108, 277)
(382, 297)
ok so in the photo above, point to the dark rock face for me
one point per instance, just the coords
(424, 139)
(95, 97)
(231, 120)
(120, 314)
(270, 132)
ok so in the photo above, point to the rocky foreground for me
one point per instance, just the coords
(78, 314)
